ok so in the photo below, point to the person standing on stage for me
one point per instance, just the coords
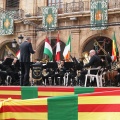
(25, 51)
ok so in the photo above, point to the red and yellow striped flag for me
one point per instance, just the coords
(10, 92)
(34, 109)
(99, 106)
(54, 91)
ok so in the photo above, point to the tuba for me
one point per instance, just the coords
(86, 58)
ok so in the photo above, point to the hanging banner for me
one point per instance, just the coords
(6, 23)
(49, 17)
(99, 14)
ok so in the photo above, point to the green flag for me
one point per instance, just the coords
(49, 17)
(7, 23)
(99, 14)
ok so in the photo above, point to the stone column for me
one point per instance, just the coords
(75, 43)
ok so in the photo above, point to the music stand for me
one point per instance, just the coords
(8, 61)
(52, 65)
(68, 65)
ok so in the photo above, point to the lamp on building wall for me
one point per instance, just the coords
(20, 38)
(14, 42)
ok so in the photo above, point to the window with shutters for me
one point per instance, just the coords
(12, 4)
(57, 3)
(54, 2)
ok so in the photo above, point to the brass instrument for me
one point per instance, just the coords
(44, 60)
(44, 72)
(86, 58)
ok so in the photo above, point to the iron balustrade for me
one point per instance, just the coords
(81, 6)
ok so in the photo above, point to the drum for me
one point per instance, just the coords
(110, 77)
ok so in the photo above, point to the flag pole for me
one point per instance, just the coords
(45, 56)
(50, 37)
(71, 41)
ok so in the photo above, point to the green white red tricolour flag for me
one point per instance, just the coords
(48, 49)
(67, 49)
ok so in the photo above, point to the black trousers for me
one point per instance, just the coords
(25, 70)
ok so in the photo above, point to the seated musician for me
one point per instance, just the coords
(117, 78)
(52, 74)
(15, 67)
(45, 74)
(12, 71)
(5, 69)
(94, 62)
(61, 72)
(71, 76)
(3, 74)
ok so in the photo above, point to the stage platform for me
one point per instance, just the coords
(29, 92)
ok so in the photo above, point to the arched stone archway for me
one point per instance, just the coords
(40, 55)
(101, 44)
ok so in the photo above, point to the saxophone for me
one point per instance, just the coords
(44, 72)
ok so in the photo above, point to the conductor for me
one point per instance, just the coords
(25, 51)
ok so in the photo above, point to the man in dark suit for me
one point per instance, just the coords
(25, 51)
(94, 62)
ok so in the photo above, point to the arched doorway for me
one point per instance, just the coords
(7, 49)
(101, 44)
(53, 44)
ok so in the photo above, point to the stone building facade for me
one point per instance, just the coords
(70, 13)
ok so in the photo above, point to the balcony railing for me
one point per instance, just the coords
(80, 6)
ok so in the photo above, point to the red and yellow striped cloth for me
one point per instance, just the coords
(10, 92)
(22, 92)
(34, 109)
(54, 91)
(99, 106)
(90, 106)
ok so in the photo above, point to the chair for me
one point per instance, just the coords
(8, 80)
(66, 79)
(97, 75)
(101, 76)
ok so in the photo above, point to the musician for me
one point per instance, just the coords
(117, 78)
(45, 75)
(60, 72)
(94, 62)
(52, 74)
(71, 76)
(6, 69)
(109, 61)
(3, 74)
